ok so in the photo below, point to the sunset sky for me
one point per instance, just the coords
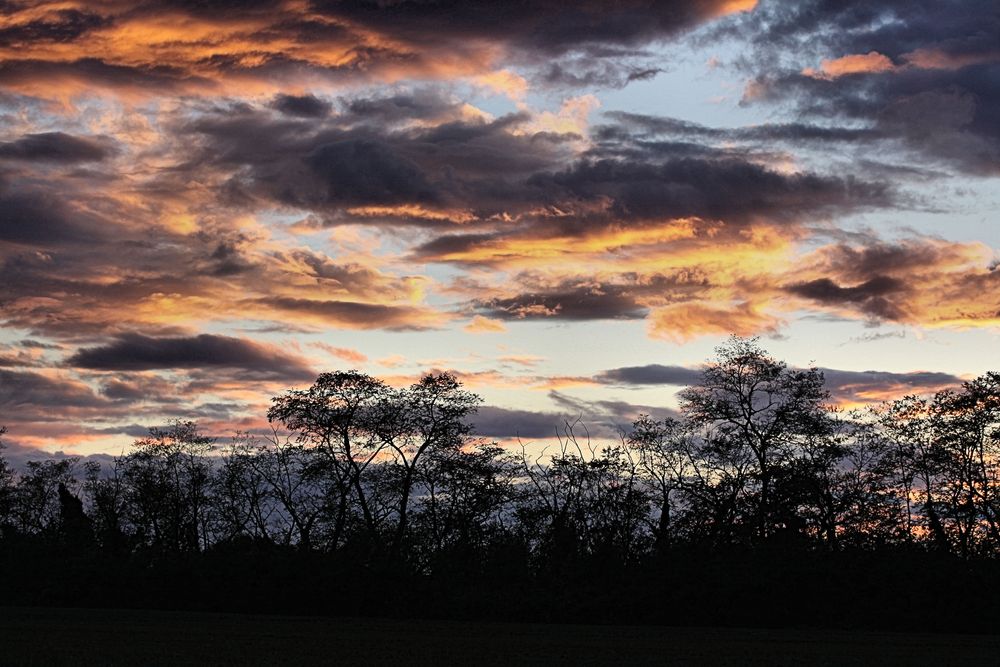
(203, 205)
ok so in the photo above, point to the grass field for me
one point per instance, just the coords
(118, 637)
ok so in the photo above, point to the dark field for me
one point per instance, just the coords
(118, 637)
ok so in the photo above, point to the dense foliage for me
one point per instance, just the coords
(758, 504)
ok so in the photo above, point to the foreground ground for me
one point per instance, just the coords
(120, 637)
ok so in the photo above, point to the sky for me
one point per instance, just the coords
(203, 204)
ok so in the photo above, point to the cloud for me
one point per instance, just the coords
(56, 147)
(650, 127)
(851, 388)
(29, 390)
(727, 189)
(34, 217)
(305, 106)
(355, 315)
(684, 321)
(495, 422)
(365, 171)
(650, 374)
(922, 75)
(187, 48)
(343, 353)
(479, 325)
(918, 281)
(873, 296)
(585, 302)
(134, 352)
(604, 419)
(860, 63)
(848, 388)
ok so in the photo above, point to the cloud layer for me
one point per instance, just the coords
(204, 203)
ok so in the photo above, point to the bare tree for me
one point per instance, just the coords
(337, 416)
(168, 484)
(748, 400)
(666, 460)
(6, 486)
(428, 417)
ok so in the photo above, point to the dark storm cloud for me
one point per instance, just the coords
(863, 263)
(366, 171)
(729, 189)
(871, 296)
(373, 155)
(60, 26)
(131, 430)
(27, 393)
(874, 386)
(306, 106)
(496, 177)
(28, 72)
(56, 147)
(610, 417)
(586, 73)
(135, 352)
(957, 27)
(496, 422)
(354, 315)
(347, 160)
(420, 104)
(650, 374)
(583, 303)
(538, 29)
(454, 243)
(838, 380)
(627, 297)
(135, 387)
(602, 419)
(40, 218)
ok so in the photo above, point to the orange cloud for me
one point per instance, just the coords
(504, 82)
(682, 322)
(932, 58)
(481, 325)
(344, 353)
(529, 360)
(735, 6)
(858, 63)
(929, 283)
(143, 51)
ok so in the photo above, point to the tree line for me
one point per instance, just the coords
(387, 499)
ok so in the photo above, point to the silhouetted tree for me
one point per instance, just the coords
(383, 497)
(413, 424)
(967, 434)
(907, 424)
(748, 401)
(313, 492)
(338, 416)
(6, 487)
(168, 481)
(75, 527)
(582, 501)
(245, 506)
(107, 496)
(666, 451)
(461, 507)
(37, 508)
